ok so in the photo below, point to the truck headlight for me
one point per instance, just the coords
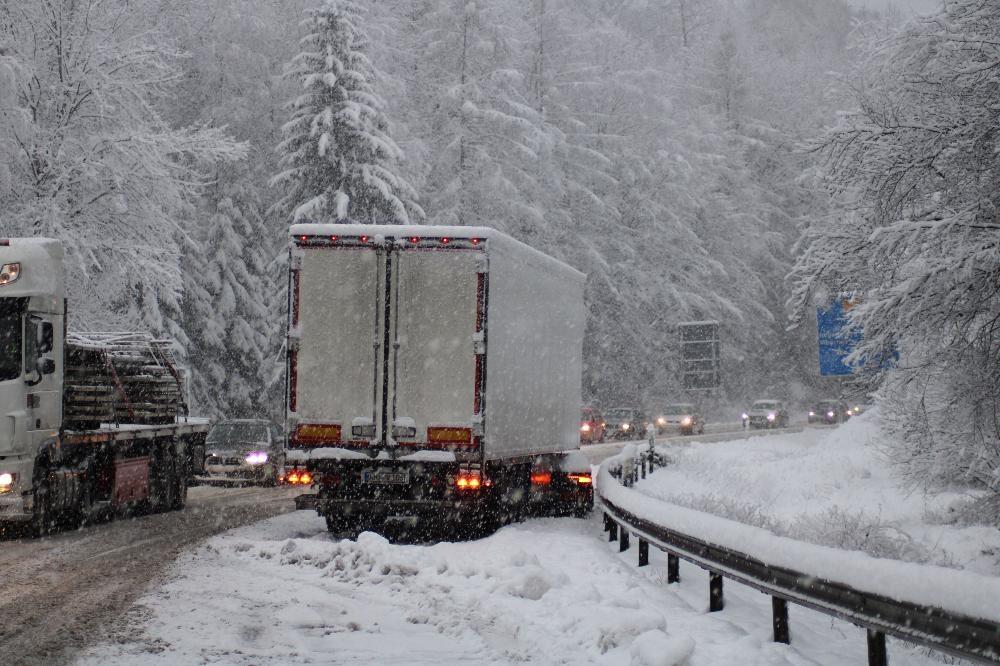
(256, 458)
(10, 273)
(7, 481)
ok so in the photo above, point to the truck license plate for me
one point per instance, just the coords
(385, 476)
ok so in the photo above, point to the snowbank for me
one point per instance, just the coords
(809, 471)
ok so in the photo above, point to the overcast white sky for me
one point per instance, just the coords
(905, 5)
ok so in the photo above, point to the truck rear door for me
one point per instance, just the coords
(336, 344)
(437, 366)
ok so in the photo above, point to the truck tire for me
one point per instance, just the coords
(42, 516)
(180, 486)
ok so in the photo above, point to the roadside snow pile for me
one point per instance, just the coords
(832, 487)
(284, 591)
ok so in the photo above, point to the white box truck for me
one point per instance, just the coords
(433, 376)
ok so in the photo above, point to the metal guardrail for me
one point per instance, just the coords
(959, 635)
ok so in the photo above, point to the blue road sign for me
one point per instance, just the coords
(836, 338)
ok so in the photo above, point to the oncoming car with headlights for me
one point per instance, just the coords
(624, 423)
(244, 452)
(767, 414)
(830, 412)
(683, 417)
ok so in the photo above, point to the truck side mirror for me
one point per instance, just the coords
(45, 338)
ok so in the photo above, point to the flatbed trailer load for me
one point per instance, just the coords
(97, 422)
(433, 376)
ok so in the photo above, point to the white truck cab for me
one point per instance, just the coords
(32, 319)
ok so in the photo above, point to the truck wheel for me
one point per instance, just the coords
(180, 483)
(42, 514)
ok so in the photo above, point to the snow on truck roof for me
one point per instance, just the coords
(494, 237)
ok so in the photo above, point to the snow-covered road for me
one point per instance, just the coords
(548, 591)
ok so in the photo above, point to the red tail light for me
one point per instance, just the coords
(364, 239)
(293, 478)
(541, 478)
(414, 239)
(305, 479)
(475, 241)
(445, 240)
(333, 239)
(581, 479)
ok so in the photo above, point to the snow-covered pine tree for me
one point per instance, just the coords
(338, 162)
(226, 308)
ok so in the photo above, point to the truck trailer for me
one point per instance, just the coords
(433, 376)
(93, 423)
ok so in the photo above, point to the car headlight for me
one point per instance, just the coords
(256, 458)
(830, 414)
(585, 427)
(744, 416)
(626, 426)
(812, 413)
(661, 421)
(686, 421)
(770, 417)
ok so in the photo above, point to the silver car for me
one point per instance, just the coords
(244, 452)
(767, 414)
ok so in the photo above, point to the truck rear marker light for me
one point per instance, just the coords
(364, 239)
(581, 479)
(445, 240)
(414, 239)
(475, 241)
(317, 433)
(470, 481)
(446, 435)
(333, 239)
(541, 478)
(367, 431)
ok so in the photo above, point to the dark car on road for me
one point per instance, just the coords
(830, 411)
(625, 423)
(244, 452)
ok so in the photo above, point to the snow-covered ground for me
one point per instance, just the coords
(549, 591)
(830, 486)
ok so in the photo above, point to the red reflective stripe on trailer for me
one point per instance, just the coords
(293, 380)
(477, 396)
(131, 480)
(295, 298)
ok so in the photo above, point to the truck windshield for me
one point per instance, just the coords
(236, 433)
(11, 315)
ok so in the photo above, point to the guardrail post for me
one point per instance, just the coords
(877, 656)
(642, 466)
(779, 613)
(623, 540)
(607, 522)
(715, 600)
(643, 552)
(673, 568)
(613, 531)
